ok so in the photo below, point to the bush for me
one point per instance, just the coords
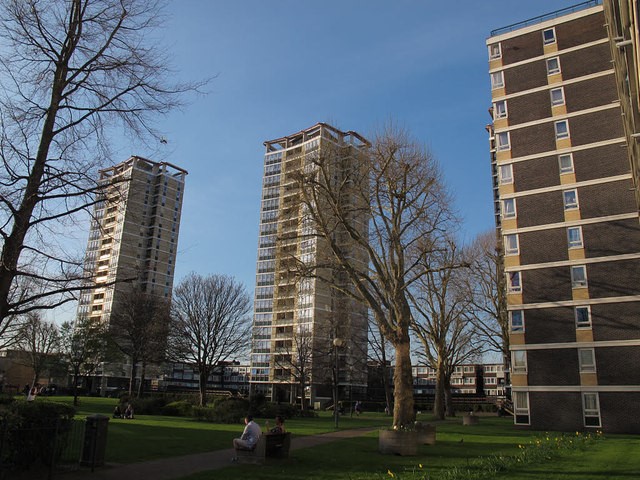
(180, 408)
(148, 405)
(34, 429)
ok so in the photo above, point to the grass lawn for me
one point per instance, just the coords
(149, 437)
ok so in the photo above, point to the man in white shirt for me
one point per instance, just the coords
(250, 436)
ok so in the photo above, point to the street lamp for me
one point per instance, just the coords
(337, 343)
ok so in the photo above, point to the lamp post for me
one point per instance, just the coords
(337, 343)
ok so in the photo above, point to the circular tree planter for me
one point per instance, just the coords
(398, 442)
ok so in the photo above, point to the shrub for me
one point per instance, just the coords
(148, 406)
(180, 408)
(34, 429)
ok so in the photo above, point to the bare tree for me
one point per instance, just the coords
(69, 71)
(83, 345)
(383, 203)
(293, 359)
(447, 338)
(486, 288)
(39, 339)
(139, 326)
(209, 323)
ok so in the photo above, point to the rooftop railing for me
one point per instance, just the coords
(545, 17)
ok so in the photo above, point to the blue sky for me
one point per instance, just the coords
(284, 65)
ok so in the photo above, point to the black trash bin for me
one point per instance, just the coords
(95, 441)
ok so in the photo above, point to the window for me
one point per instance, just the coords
(495, 51)
(506, 174)
(583, 317)
(500, 109)
(591, 409)
(587, 360)
(579, 276)
(566, 163)
(562, 129)
(502, 141)
(553, 66)
(519, 361)
(574, 237)
(521, 407)
(557, 96)
(509, 208)
(516, 320)
(511, 244)
(549, 36)
(514, 283)
(570, 198)
(497, 80)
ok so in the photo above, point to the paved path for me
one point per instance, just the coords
(177, 467)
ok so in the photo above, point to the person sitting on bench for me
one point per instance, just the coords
(250, 435)
(279, 428)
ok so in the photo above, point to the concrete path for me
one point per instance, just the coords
(177, 467)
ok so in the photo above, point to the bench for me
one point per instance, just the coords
(274, 445)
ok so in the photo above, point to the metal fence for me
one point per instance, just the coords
(41, 452)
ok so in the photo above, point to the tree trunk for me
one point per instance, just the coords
(143, 372)
(403, 411)
(303, 387)
(132, 377)
(202, 384)
(76, 374)
(450, 411)
(439, 401)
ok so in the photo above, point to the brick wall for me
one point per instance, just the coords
(543, 246)
(522, 47)
(543, 325)
(556, 411)
(613, 279)
(534, 139)
(596, 127)
(582, 30)
(558, 366)
(611, 238)
(536, 173)
(616, 321)
(527, 108)
(546, 285)
(605, 161)
(610, 198)
(585, 61)
(525, 77)
(618, 365)
(540, 209)
(590, 93)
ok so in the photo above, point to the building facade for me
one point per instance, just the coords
(467, 379)
(133, 236)
(568, 218)
(622, 20)
(303, 328)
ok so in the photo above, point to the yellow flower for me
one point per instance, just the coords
(390, 473)
(420, 465)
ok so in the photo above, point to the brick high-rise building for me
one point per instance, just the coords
(297, 319)
(133, 234)
(567, 215)
(622, 20)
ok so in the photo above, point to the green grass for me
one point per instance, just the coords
(150, 437)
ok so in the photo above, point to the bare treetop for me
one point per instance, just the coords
(70, 70)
